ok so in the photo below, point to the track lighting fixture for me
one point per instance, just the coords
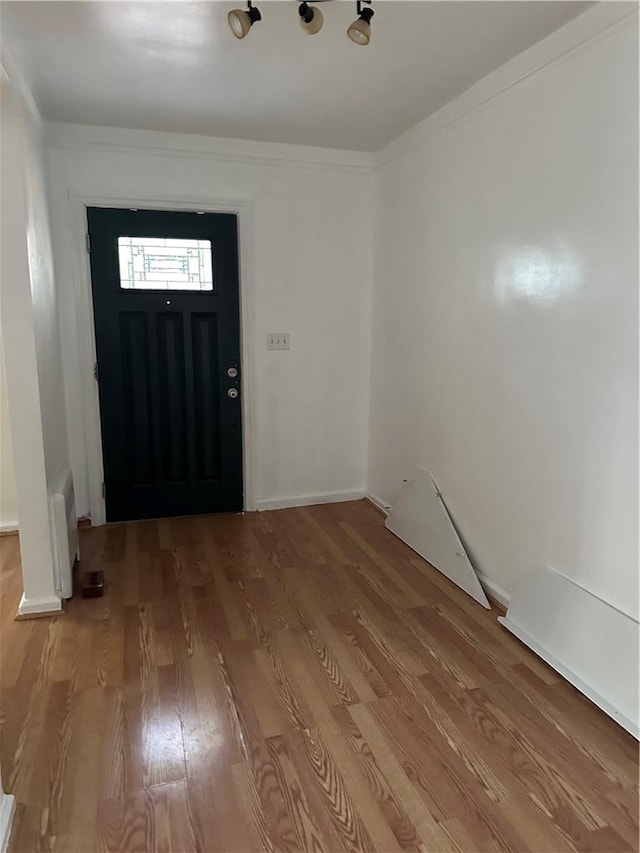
(311, 18)
(360, 30)
(241, 20)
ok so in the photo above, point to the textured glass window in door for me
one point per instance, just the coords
(164, 263)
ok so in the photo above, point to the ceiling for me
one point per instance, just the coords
(175, 66)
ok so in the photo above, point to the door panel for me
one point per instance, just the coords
(173, 404)
(204, 337)
(166, 306)
(137, 397)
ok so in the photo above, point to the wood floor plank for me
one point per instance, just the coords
(556, 797)
(286, 816)
(81, 785)
(601, 801)
(341, 781)
(393, 576)
(324, 532)
(330, 673)
(249, 800)
(573, 761)
(298, 803)
(287, 526)
(216, 812)
(235, 547)
(305, 592)
(438, 775)
(390, 805)
(357, 829)
(296, 680)
(260, 692)
(377, 684)
(155, 818)
(424, 822)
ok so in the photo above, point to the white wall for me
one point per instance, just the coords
(307, 267)
(30, 338)
(8, 497)
(506, 311)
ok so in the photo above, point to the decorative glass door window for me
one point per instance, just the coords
(164, 263)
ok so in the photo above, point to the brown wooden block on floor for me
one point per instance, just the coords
(93, 584)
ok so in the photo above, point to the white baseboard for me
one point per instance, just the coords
(308, 500)
(378, 502)
(9, 526)
(566, 672)
(7, 811)
(588, 641)
(493, 590)
(35, 606)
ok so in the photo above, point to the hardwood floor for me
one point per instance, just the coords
(293, 680)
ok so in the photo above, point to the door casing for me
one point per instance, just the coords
(79, 203)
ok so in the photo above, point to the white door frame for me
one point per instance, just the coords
(79, 202)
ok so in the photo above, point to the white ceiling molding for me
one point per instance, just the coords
(13, 72)
(190, 146)
(601, 21)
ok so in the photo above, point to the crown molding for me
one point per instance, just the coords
(194, 147)
(597, 23)
(12, 72)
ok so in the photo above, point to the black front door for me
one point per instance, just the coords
(166, 304)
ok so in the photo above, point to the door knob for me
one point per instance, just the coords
(233, 393)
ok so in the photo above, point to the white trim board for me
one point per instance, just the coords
(7, 811)
(194, 146)
(309, 500)
(379, 502)
(421, 519)
(79, 200)
(494, 590)
(38, 606)
(9, 526)
(588, 641)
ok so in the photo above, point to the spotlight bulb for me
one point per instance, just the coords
(241, 20)
(360, 30)
(311, 19)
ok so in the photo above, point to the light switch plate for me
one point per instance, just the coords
(278, 340)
